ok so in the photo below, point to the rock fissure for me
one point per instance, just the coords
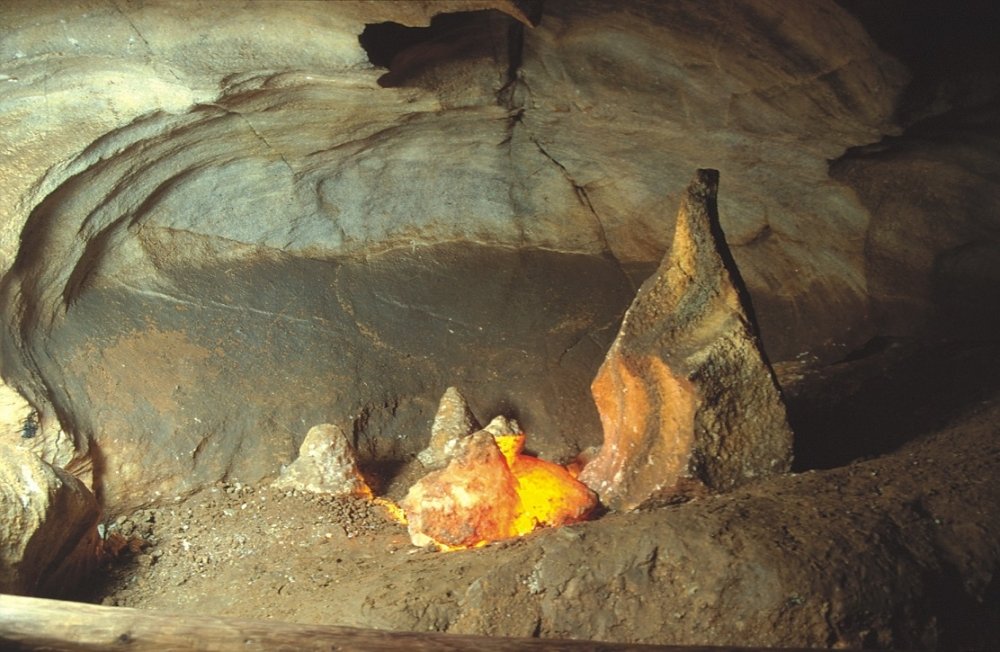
(508, 96)
(131, 23)
(267, 143)
(423, 310)
(584, 198)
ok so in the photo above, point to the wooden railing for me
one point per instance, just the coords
(39, 624)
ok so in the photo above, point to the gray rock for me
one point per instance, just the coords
(502, 426)
(327, 464)
(453, 421)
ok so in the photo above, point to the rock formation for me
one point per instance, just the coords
(470, 502)
(327, 464)
(18, 420)
(288, 216)
(501, 426)
(48, 526)
(686, 397)
(21, 425)
(454, 421)
(491, 490)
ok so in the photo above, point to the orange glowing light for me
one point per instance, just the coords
(549, 494)
(493, 491)
(395, 511)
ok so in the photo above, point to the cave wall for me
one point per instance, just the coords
(223, 224)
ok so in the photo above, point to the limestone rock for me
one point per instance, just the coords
(275, 218)
(49, 539)
(501, 426)
(326, 465)
(454, 420)
(472, 500)
(686, 397)
(21, 425)
(18, 420)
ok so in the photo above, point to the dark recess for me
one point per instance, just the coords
(951, 48)
(457, 34)
(891, 392)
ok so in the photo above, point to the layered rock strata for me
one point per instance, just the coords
(215, 217)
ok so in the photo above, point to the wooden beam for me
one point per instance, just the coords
(39, 624)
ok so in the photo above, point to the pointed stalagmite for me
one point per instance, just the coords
(453, 422)
(686, 397)
(326, 464)
(470, 502)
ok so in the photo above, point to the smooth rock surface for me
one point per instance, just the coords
(686, 396)
(933, 242)
(49, 539)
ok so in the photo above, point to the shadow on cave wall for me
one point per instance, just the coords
(412, 53)
(951, 49)
(891, 392)
(895, 390)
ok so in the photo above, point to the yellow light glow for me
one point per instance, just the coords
(395, 511)
(535, 493)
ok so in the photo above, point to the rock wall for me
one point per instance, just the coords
(223, 224)
(49, 541)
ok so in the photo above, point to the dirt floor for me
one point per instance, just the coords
(898, 548)
(245, 551)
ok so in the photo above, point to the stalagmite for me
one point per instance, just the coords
(687, 399)
(453, 422)
(470, 502)
(492, 490)
(326, 464)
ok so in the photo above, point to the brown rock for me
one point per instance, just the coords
(212, 145)
(49, 539)
(326, 464)
(686, 397)
(453, 422)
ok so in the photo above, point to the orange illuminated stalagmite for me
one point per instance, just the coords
(492, 491)
(687, 399)
(469, 503)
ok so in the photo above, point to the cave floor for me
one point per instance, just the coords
(913, 517)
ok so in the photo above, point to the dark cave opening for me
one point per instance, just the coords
(406, 51)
